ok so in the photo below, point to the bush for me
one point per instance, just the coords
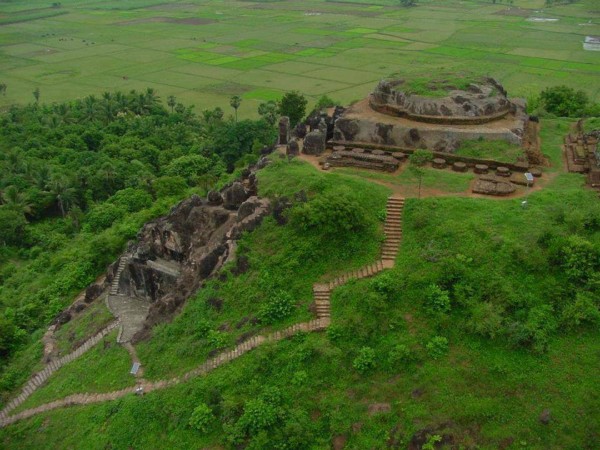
(584, 309)
(169, 186)
(131, 199)
(202, 418)
(400, 354)
(564, 101)
(437, 300)
(578, 257)
(437, 347)
(486, 319)
(333, 215)
(278, 307)
(103, 216)
(12, 226)
(541, 323)
(365, 361)
(189, 167)
(385, 284)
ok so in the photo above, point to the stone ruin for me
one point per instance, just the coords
(395, 117)
(174, 254)
(363, 158)
(583, 154)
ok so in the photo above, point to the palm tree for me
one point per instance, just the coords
(171, 102)
(63, 194)
(41, 177)
(16, 200)
(36, 95)
(235, 103)
(3, 88)
(90, 108)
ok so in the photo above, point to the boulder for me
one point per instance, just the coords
(234, 196)
(248, 207)
(292, 150)
(545, 417)
(92, 292)
(300, 131)
(314, 143)
(284, 130)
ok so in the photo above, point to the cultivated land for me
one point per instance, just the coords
(205, 51)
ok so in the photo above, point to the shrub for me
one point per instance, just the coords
(564, 101)
(486, 319)
(202, 418)
(334, 215)
(365, 360)
(103, 216)
(582, 310)
(437, 347)
(279, 306)
(385, 284)
(131, 199)
(437, 299)
(540, 324)
(216, 339)
(400, 354)
(169, 186)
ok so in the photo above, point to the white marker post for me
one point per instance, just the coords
(529, 178)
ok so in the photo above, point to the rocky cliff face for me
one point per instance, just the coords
(174, 254)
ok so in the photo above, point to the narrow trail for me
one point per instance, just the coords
(322, 299)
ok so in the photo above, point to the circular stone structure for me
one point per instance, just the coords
(436, 114)
(467, 100)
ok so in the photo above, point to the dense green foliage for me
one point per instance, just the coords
(78, 179)
(293, 105)
(563, 101)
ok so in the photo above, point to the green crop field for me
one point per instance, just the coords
(263, 49)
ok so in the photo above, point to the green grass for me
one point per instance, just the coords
(300, 261)
(439, 180)
(483, 393)
(103, 368)
(93, 319)
(438, 85)
(501, 151)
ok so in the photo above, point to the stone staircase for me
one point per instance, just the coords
(114, 287)
(321, 295)
(40, 378)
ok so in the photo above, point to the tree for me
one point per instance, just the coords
(268, 111)
(293, 105)
(235, 103)
(3, 88)
(12, 226)
(417, 160)
(171, 102)
(36, 94)
(16, 200)
(63, 194)
(564, 101)
(408, 2)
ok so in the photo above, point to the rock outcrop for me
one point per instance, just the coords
(174, 254)
(314, 143)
